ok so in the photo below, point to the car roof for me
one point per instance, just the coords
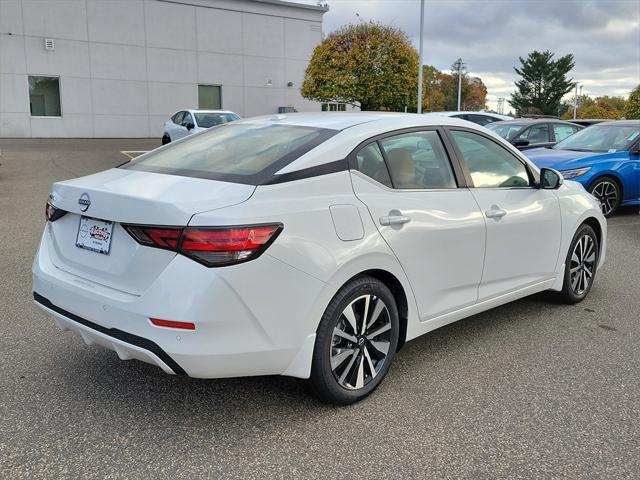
(527, 121)
(344, 120)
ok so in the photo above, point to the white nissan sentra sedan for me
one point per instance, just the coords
(309, 245)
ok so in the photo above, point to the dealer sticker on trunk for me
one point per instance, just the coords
(94, 235)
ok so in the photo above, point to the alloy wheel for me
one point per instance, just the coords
(583, 262)
(360, 342)
(607, 193)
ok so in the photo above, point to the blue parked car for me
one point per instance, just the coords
(605, 158)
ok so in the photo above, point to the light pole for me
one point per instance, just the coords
(421, 56)
(575, 103)
(459, 66)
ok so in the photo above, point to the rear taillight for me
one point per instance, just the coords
(210, 246)
(159, 237)
(52, 213)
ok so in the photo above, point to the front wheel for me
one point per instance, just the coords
(580, 265)
(608, 192)
(166, 139)
(355, 342)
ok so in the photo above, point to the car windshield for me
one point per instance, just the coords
(247, 153)
(601, 138)
(505, 130)
(208, 120)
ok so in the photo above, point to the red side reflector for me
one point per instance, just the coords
(171, 324)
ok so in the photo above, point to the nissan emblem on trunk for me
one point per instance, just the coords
(84, 201)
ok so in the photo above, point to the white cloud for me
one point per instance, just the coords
(490, 35)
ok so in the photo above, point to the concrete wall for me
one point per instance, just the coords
(126, 65)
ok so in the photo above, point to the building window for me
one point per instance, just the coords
(334, 107)
(210, 97)
(44, 96)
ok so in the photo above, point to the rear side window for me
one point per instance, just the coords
(490, 165)
(481, 119)
(371, 162)
(418, 161)
(234, 152)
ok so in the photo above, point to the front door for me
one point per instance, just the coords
(523, 222)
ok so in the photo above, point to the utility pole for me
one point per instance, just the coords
(575, 103)
(421, 56)
(459, 66)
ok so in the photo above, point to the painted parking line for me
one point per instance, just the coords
(133, 153)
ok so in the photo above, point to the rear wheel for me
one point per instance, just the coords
(580, 265)
(166, 139)
(355, 342)
(607, 190)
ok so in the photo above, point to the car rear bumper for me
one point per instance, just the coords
(250, 319)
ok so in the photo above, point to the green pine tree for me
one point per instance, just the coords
(544, 82)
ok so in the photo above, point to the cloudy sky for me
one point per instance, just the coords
(490, 35)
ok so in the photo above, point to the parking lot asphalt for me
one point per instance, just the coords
(534, 389)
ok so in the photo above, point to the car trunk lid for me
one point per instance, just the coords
(129, 197)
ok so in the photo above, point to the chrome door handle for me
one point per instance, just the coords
(394, 220)
(495, 212)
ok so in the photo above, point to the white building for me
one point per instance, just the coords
(120, 68)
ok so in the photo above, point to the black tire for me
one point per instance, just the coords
(166, 139)
(573, 291)
(609, 192)
(363, 361)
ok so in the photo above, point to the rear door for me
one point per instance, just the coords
(523, 221)
(431, 222)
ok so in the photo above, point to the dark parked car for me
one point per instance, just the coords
(525, 133)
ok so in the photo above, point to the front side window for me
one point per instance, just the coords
(208, 120)
(247, 153)
(187, 119)
(505, 130)
(535, 134)
(418, 161)
(490, 165)
(563, 131)
(209, 97)
(44, 96)
(177, 118)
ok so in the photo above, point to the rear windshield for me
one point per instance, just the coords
(234, 152)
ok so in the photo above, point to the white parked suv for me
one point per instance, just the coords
(309, 245)
(188, 122)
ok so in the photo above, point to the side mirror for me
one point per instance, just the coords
(521, 143)
(635, 151)
(190, 126)
(550, 179)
